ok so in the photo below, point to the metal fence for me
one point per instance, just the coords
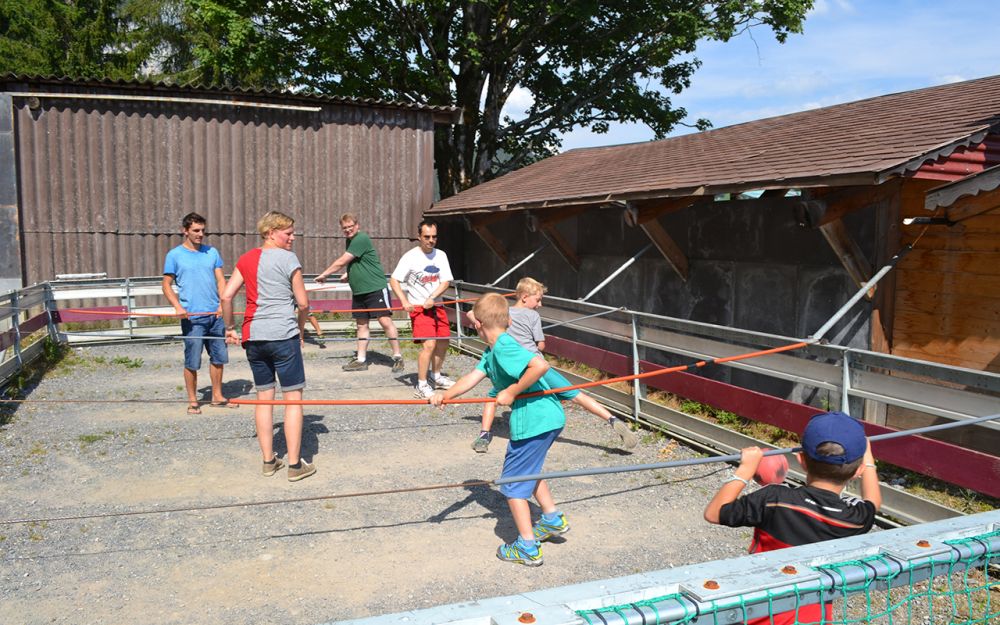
(619, 342)
(874, 578)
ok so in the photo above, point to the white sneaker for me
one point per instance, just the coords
(443, 382)
(423, 390)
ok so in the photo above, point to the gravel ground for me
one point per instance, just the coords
(306, 562)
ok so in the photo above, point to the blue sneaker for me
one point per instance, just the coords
(518, 553)
(545, 530)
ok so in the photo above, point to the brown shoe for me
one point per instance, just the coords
(270, 468)
(305, 470)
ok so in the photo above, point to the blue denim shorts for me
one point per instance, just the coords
(525, 457)
(282, 358)
(207, 325)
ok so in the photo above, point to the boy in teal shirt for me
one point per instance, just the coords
(535, 423)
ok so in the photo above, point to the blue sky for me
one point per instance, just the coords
(849, 50)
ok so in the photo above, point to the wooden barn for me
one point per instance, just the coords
(95, 176)
(771, 225)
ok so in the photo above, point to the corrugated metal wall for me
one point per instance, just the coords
(104, 183)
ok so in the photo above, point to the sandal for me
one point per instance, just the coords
(194, 409)
(222, 404)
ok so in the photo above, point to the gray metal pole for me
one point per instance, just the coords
(636, 385)
(845, 384)
(50, 306)
(458, 315)
(628, 263)
(728, 458)
(861, 293)
(17, 328)
(129, 322)
(515, 267)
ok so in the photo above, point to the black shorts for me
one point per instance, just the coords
(377, 299)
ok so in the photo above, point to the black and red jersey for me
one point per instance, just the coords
(784, 516)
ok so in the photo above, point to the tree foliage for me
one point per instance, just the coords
(585, 63)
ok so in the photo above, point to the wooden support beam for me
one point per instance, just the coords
(555, 215)
(639, 213)
(478, 224)
(663, 242)
(834, 205)
(545, 221)
(562, 246)
(850, 255)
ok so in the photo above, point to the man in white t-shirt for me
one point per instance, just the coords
(418, 280)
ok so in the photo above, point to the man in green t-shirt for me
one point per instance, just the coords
(369, 291)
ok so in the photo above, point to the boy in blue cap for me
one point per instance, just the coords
(535, 423)
(834, 451)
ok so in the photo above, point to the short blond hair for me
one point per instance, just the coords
(530, 286)
(351, 217)
(491, 311)
(273, 220)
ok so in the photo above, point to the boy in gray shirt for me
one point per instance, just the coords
(526, 328)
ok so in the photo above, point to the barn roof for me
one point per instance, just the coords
(858, 143)
(8, 82)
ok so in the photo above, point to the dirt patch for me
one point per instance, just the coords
(304, 562)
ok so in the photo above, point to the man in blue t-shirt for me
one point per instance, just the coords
(196, 269)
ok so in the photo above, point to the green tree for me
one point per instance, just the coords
(85, 38)
(584, 62)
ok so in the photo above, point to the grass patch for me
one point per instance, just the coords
(128, 363)
(28, 377)
(90, 439)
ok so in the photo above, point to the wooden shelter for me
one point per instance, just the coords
(859, 180)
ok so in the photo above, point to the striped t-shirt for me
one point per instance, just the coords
(270, 314)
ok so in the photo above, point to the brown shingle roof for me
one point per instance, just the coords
(860, 142)
(7, 81)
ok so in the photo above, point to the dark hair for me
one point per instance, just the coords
(836, 473)
(192, 218)
(426, 222)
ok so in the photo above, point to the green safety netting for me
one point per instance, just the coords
(959, 587)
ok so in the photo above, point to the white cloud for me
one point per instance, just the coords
(848, 51)
(520, 100)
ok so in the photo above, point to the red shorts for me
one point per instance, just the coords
(429, 323)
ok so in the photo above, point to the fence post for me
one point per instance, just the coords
(129, 322)
(845, 384)
(637, 386)
(15, 305)
(458, 315)
(50, 307)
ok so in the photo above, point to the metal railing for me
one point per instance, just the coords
(847, 572)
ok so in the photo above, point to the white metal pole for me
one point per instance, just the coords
(515, 267)
(628, 263)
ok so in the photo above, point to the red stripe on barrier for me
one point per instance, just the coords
(97, 313)
(953, 464)
(37, 322)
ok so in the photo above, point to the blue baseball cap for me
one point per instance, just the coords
(835, 427)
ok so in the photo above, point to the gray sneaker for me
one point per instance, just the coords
(442, 381)
(397, 364)
(629, 439)
(356, 365)
(270, 468)
(305, 470)
(482, 443)
(423, 391)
